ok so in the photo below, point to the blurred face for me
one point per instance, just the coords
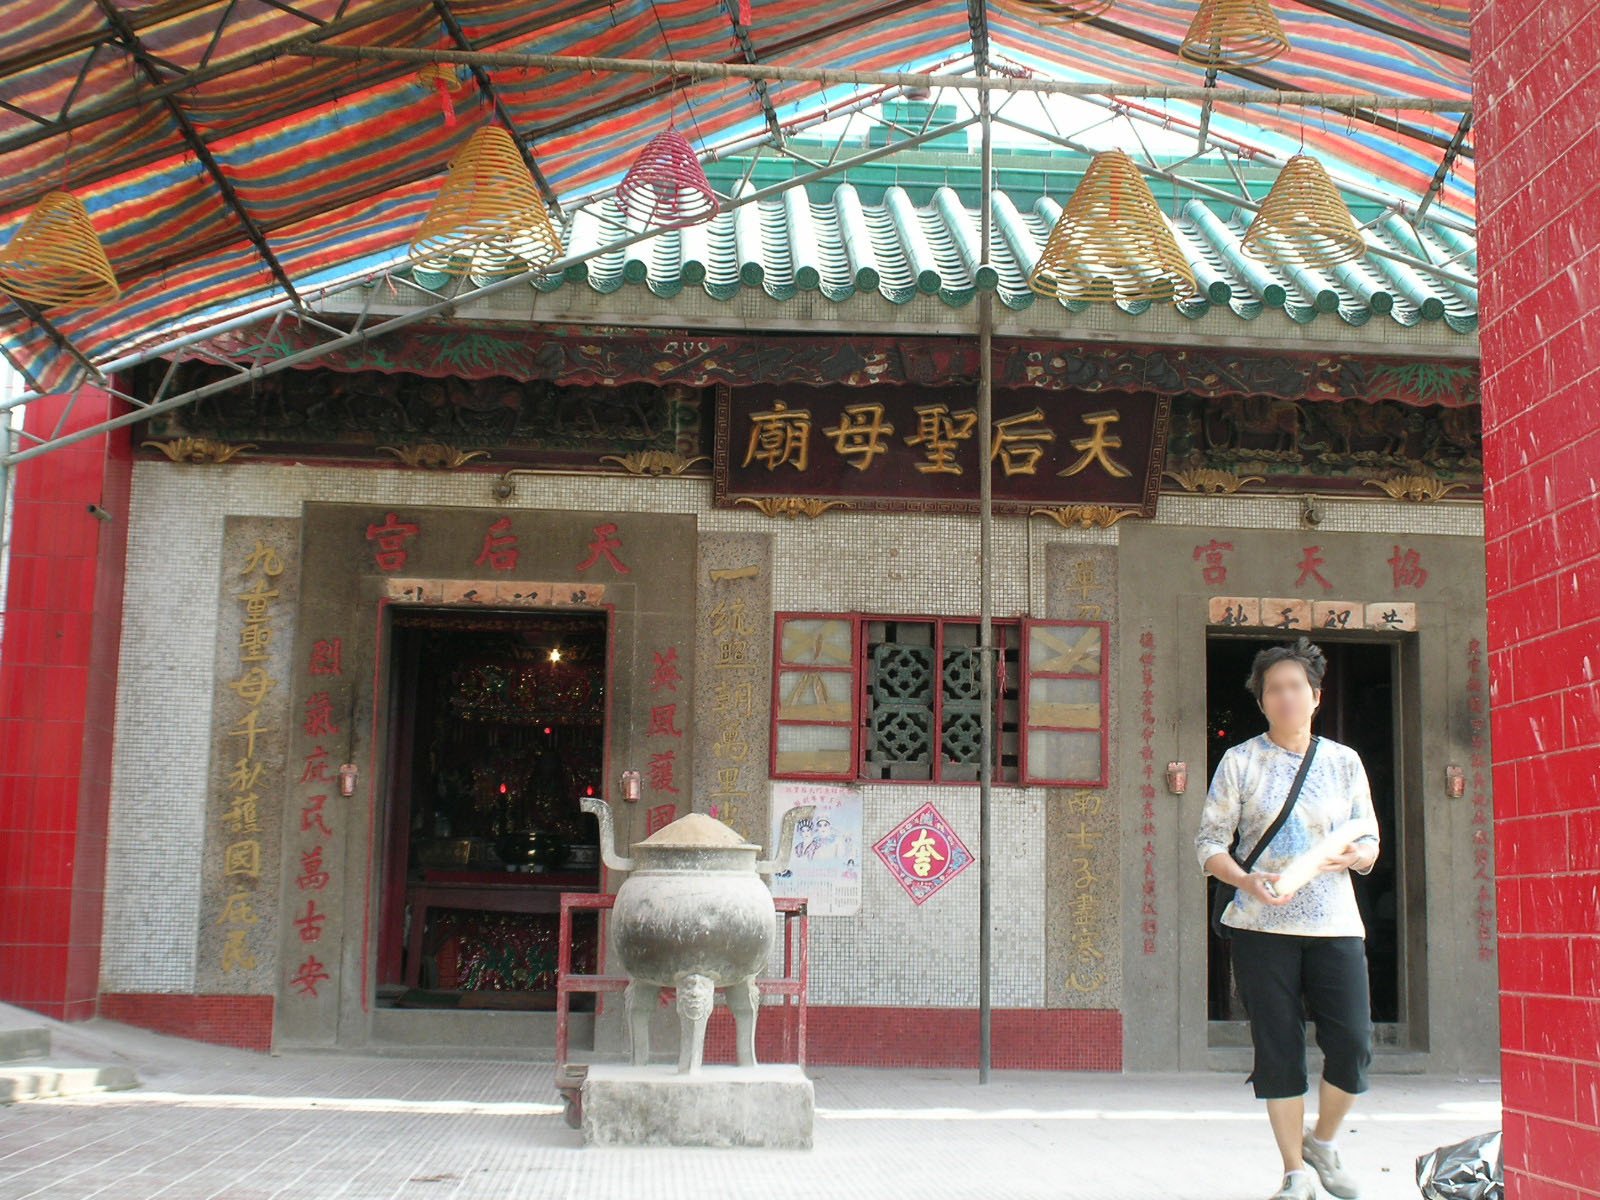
(1287, 696)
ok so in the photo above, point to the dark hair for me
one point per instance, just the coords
(1302, 651)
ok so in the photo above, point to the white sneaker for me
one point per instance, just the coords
(1297, 1185)
(1329, 1169)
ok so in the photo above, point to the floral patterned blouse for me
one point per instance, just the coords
(1249, 788)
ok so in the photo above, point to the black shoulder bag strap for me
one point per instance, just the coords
(1224, 893)
(1288, 804)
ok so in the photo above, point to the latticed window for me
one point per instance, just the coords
(892, 698)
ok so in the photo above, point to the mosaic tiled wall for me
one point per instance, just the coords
(893, 953)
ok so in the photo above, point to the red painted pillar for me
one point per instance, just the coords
(1536, 80)
(58, 684)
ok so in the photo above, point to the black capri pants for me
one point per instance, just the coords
(1281, 976)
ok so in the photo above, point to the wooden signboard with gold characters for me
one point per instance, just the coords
(915, 449)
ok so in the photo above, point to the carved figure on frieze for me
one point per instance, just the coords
(1253, 423)
(1353, 427)
(1454, 433)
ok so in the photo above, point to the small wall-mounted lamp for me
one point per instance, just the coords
(630, 786)
(347, 779)
(1455, 782)
(1310, 512)
(505, 485)
(1177, 778)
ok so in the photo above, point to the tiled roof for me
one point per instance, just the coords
(840, 247)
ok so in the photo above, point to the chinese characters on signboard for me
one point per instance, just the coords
(1086, 901)
(1148, 918)
(316, 795)
(734, 670)
(916, 448)
(248, 779)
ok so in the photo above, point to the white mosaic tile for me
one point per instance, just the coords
(890, 563)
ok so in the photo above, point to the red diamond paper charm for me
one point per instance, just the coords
(923, 853)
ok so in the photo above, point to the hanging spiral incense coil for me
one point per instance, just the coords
(1112, 241)
(1303, 220)
(488, 218)
(56, 258)
(667, 185)
(1233, 33)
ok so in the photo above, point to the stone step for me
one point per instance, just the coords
(1385, 1061)
(23, 1042)
(46, 1081)
(474, 1033)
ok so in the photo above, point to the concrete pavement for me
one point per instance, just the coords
(228, 1125)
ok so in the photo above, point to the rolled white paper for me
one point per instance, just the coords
(1306, 867)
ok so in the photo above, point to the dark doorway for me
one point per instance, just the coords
(497, 729)
(1358, 709)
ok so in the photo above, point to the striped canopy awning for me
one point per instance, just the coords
(226, 171)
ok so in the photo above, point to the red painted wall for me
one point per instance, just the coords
(1037, 1039)
(58, 685)
(1536, 78)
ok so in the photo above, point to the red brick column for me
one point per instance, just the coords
(58, 684)
(1537, 130)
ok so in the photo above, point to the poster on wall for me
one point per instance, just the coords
(825, 857)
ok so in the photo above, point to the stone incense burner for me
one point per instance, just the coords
(694, 914)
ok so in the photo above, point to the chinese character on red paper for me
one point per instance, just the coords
(499, 547)
(1215, 570)
(606, 544)
(924, 852)
(666, 672)
(664, 721)
(1408, 569)
(319, 715)
(311, 816)
(326, 657)
(1308, 568)
(310, 974)
(310, 923)
(391, 539)
(662, 764)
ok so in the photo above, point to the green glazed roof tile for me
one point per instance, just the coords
(839, 247)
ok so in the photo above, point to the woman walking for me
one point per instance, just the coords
(1306, 949)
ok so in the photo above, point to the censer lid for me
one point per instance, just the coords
(698, 830)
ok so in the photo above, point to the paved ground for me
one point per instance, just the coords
(236, 1126)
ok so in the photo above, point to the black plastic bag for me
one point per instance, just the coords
(1469, 1170)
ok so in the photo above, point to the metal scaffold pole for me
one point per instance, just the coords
(986, 741)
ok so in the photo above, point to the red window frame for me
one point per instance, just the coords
(1029, 625)
(859, 699)
(853, 669)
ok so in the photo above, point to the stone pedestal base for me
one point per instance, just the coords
(720, 1106)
